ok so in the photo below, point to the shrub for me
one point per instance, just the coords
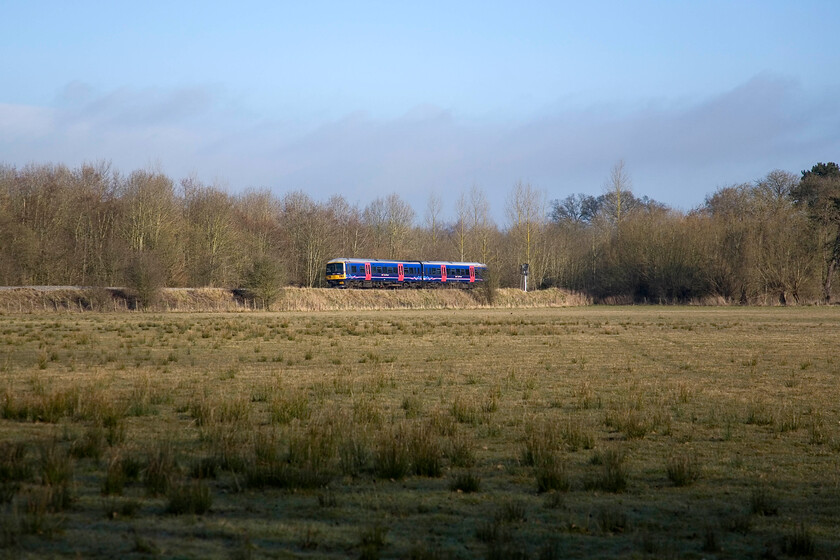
(91, 445)
(160, 469)
(264, 281)
(354, 454)
(551, 475)
(631, 422)
(461, 452)
(205, 467)
(511, 512)
(425, 452)
(285, 408)
(493, 532)
(799, 543)
(372, 540)
(465, 482)
(412, 405)
(488, 289)
(56, 466)
(613, 474)
(114, 429)
(576, 437)
(391, 458)
(38, 504)
(14, 466)
(189, 498)
(464, 412)
(145, 277)
(683, 469)
(762, 502)
(711, 541)
(759, 415)
(612, 519)
(540, 445)
(306, 462)
(555, 500)
(98, 299)
(115, 478)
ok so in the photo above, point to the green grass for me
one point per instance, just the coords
(538, 433)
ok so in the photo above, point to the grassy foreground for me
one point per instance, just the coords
(488, 433)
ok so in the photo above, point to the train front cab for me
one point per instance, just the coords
(336, 274)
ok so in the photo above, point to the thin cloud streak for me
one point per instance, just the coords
(676, 152)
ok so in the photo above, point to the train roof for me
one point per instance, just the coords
(437, 263)
(455, 263)
(372, 260)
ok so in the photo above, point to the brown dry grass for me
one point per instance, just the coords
(432, 433)
(200, 300)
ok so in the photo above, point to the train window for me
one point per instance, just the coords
(379, 270)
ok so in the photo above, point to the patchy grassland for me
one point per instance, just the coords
(516, 433)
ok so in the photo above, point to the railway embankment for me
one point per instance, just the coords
(69, 299)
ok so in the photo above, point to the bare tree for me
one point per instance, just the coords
(375, 217)
(348, 230)
(400, 218)
(617, 191)
(460, 228)
(94, 215)
(481, 227)
(258, 213)
(526, 218)
(305, 224)
(212, 256)
(778, 185)
(434, 208)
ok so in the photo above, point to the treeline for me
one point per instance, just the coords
(774, 240)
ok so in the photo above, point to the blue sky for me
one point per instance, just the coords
(368, 98)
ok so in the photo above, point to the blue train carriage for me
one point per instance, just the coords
(453, 274)
(375, 273)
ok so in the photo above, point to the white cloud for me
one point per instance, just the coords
(676, 151)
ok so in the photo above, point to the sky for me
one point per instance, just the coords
(365, 99)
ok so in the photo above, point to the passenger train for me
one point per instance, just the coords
(374, 273)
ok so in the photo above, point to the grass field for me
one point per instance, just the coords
(517, 433)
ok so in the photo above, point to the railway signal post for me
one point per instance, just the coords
(523, 269)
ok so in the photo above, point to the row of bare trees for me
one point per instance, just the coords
(772, 240)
